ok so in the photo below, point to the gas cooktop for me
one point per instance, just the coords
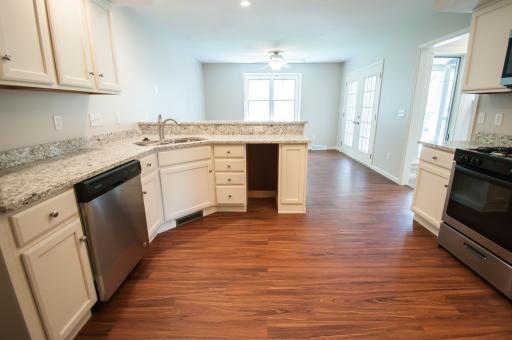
(503, 152)
(496, 160)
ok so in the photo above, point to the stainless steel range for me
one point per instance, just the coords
(477, 219)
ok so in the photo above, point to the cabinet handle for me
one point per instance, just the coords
(7, 57)
(54, 214)
(101, 75)
(83, 238)
(144, 192)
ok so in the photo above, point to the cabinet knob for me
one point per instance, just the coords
(144, 192)
(101, 75)
(228, 152)
(229, 179)
(230, 196)
(210, 171)
(229, 166)
(54, 214)
(434, 158)
(446, 186)
(7, 57)
(148, 165)
(83, 238)
(91, 73)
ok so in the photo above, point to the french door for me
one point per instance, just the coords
(362, 97)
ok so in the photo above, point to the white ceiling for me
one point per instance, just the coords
(308, 30)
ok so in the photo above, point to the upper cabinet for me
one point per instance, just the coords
(71, 43)
(25, 47)
(76, 33)
(102, 42)
(490, 30)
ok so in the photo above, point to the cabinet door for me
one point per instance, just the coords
(490, 30)
(153, 202)
(102, 45)
(187, 189)
(25, 47)
(71, 43)
(61, 279)
(430, 193)
(292, 174)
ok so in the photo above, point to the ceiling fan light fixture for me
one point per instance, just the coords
(276, 61)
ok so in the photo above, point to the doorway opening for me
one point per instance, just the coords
(262, 175)
(440, 111)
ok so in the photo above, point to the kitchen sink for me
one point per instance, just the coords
(169, 141)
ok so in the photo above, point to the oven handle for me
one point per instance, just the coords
(482, 176)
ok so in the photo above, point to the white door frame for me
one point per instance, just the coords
(360, 75)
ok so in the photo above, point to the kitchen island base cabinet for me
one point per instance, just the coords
(187, 189)
(292, 179)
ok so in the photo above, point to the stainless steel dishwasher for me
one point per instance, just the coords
(112, 211)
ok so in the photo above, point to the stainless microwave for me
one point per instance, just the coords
(506, 78)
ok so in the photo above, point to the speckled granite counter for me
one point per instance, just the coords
(451, 146)
(24, 185)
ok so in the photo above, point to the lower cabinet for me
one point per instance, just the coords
(432, 180)
(153, 202)
(187, 188)
(292, 178)
(60, 276)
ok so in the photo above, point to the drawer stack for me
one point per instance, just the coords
(230, 175)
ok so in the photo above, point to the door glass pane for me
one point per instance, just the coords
(284, 89)
(284, 111)
(259, 89)
(350, 112)
(259, 111)
(440, 98)
(365, 129)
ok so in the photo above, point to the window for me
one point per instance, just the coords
(272, 97)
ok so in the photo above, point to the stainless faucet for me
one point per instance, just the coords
(161, 126)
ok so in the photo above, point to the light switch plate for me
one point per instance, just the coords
(481, 118)
(498, 119)
(57, 122)
(96, 119)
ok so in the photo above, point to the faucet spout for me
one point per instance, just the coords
(161, 125)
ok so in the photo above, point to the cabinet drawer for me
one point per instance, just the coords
(149, 163)
(184, 155)
(440, 158)
(230, 165)
(231, 195)
(230, 178)
(36, 221)
(229, 151)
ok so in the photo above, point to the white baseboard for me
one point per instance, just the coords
(385, 174)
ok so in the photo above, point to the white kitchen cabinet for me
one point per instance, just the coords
(187, 188)
(102, 43)
(25, 46)
(292, 178)
(153, 202)
(60, 275)
(432, 180)
(490, 30)
(71, 45)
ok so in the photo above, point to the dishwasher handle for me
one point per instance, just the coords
(96, 186)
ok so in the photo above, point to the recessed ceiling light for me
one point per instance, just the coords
(245, 3)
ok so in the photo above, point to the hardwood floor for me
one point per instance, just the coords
(354, 266)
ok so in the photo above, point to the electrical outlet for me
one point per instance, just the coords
(118, 118)
(57, 122)
(481, 118)
(96, 119)
(401, 113)
(498, 119)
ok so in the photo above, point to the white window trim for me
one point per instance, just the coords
(272, 76)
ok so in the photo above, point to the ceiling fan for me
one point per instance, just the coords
(276, 61)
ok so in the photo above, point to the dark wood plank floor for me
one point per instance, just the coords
(354, 266)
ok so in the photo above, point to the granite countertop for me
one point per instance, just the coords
(24, 185)
(451, 146)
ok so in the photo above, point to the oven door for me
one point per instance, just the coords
(480, 207)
